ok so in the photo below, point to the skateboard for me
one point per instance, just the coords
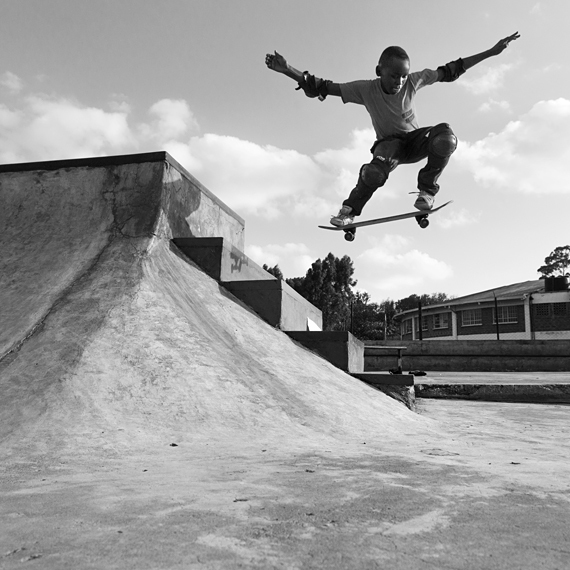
(420, 215)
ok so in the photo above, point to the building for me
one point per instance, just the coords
(532, 310)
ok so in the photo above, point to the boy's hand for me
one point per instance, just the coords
(501, 45)
(276, 62)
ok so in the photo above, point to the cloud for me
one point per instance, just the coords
(47, 128)
(294, 259)
(172, 119)
(489, 79)
(456, 218)
(391, 267)
(552, 67)
(530, 154)
(253, 179)
(266, 180)
(11, 82)
(492, 104)
(344, 163)
(9, 119)
(120, 105)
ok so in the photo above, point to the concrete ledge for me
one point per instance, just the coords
(277, 303)
(529, 393)
(340, 348)
(400, 387)
(93, 162)
(475, 355)
(383, 378)
(221, 260)
(403, 394)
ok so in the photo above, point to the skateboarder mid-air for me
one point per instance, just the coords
(390, 102)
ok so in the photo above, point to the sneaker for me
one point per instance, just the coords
(424, 201)
(343, 218)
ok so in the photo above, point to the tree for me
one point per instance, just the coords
(328, 285)
(413, 301)
(275, 271)
(392, 328)
(557, 263)
(367, 318)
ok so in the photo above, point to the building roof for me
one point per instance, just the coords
(517, 291)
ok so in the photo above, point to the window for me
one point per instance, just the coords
(441, 321)
(471, 318)
(424, 323)
(506, 315)
(407, 326)
(542, 310)
(559, 308)
(552, 309)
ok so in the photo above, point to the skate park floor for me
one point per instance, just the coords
(486, 487)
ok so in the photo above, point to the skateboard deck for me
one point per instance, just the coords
(420, 215)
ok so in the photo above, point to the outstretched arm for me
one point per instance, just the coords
(454, 69)
(311, 85)
(498, 48)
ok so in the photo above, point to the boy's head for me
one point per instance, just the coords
(393, 69)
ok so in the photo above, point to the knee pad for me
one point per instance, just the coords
(374, 174)
(442, 141)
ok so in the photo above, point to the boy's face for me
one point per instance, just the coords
(393, 75)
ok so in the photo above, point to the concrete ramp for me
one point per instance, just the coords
(111, 337)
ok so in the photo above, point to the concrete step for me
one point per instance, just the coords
(400, 387)
(221, 260)
(496, 392)
(272, 299)
(277, 303)
(340, 348)
(384, 378)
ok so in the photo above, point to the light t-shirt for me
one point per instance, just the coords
(390, 114)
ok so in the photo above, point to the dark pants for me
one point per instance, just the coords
(435, 143)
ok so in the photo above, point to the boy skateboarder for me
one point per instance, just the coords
(390, 102)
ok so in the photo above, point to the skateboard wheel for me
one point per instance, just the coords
(349, 236)
(423, 222)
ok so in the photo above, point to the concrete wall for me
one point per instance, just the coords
(205, 215)
(476, 355)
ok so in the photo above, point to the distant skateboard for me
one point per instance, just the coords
(420, 215)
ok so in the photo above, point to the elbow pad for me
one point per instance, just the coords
(452, 70)
(314, 86)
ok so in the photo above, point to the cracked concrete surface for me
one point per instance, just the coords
(490, 490)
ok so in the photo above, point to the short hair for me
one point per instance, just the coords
(392, 52)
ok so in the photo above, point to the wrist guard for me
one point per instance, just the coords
(452, 70)
(314, 86)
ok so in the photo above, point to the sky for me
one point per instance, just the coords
(81, 78)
